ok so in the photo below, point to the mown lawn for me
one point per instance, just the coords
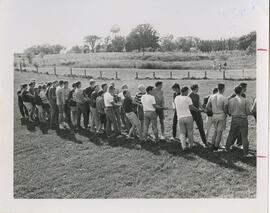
(84, 166)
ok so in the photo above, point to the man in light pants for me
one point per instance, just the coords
(183, 105)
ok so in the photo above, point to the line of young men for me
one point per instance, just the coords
(108, 108)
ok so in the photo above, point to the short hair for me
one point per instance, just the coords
(215, 90)
(49, 84)
(243, 85)
(111, 87)
(100, 92)
(158, 83)
(175, 86)
(149, 88)
(74, 84)
(141, 86)
(221, 87)
(65, 82)
(125, 92)
(194, 86)
(24, 86)
(238, 90)
(184, 89)
(103, 85)
(78, 83)
(31, 83)
(124, 85)
(61, 82)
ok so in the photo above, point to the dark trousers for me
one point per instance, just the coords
(83, 110)
(111, 119)
(67, 113)
(87, 114)
(23, 110)
(54, 115)
(238, 125)
(197, 117)
(102, 118)
(174, 126)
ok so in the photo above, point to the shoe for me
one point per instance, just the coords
(248, 156)
(162, 137)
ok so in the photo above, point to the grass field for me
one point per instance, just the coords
(84, 166)
(150, 60)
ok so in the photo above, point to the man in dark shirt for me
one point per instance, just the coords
(22, 107)
(87, 92)
(28, 100)
(129, 109)
(54, 108)
(197, 116)
(177, 91)
(95, 121)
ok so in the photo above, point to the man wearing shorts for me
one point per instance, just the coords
(158, 94)
(183, 105)
(149, 109)
(218, 104)
(132, 117)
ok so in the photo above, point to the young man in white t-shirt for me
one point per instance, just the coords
(183, 105)
(110, 112)
(149, 109)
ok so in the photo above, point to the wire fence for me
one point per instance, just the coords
(139, 74)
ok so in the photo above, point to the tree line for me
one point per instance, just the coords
(144, 38)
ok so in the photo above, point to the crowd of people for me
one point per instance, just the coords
(115, 113)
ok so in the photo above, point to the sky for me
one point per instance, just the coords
(66, 22)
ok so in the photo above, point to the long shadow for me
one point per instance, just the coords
(68, 134)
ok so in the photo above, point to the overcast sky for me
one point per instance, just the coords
(66, 22)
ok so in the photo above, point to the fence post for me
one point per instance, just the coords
(37, 68)
(137, 76)
(205, 74)
(171, 74)
(21, 66)
(70, 71)
(85, 73)
(100, 74)
(243, 73)
(224, 76)
(116, 75)
(188, 74)
(54, 69)
(154, 75)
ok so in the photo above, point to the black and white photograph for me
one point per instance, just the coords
(115, 99)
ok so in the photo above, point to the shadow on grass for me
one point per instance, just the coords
(68, 135)
(222, 158)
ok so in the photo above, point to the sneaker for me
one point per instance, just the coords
(162, 137)
(248, 156)
(61, 126)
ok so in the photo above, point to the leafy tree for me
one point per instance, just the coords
(91, 40)
(76, 49)
(142, 37)
(167, 43)
(118, 44)
(44, 49)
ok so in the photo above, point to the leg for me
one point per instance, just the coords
(20, 103)
(233, 133)
(162, 127)
(174, 127)
(199, 122)
(244, 135)
(208, 126)
(108, 123)
(183, 132)
(146, 125)
(154, 124)
(220, 127)
(189, 126)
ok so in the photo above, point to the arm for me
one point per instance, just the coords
(193, 108)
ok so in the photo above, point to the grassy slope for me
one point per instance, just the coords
(50, 166)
